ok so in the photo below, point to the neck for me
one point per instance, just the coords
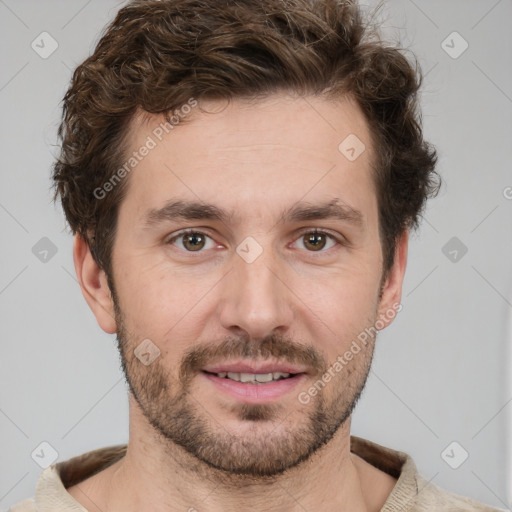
(157, 475)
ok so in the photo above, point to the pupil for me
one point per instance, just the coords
(196, 241)
(313, 239)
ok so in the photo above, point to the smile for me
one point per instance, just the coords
(254, 388)
(253, 378)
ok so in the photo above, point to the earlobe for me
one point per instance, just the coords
(389, 305)
(94, 285)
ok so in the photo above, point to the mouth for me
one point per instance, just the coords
(254, 384)
(253, 378)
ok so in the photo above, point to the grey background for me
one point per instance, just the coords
(441, 372)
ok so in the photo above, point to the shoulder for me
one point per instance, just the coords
(412, 492)
(431, 498)
(28, 505)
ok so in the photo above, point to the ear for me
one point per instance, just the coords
(94, 285)
(389, 304)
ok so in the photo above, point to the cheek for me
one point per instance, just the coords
(349, 287)
(341, 304)
(163, 303)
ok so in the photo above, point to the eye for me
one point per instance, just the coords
(192, 241)
(317, 240)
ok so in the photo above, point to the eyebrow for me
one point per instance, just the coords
(196, 210)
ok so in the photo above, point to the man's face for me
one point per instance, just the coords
(255, 291)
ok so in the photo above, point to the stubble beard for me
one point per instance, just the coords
(268, 444)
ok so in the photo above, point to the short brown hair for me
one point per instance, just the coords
(157, 54)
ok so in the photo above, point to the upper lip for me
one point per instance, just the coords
(247, 367)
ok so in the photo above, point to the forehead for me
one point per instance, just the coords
(272, 151)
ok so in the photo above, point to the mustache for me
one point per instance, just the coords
(275, 347)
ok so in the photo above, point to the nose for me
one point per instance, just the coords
(256, 298)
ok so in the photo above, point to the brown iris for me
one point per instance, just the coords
(193, 241)
(316, 240)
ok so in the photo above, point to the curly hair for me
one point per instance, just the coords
(157, 54)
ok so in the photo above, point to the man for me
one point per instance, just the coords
(241, 178)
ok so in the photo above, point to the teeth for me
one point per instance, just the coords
(253, 377)
(264, 377)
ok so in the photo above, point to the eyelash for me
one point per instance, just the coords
(306, 232)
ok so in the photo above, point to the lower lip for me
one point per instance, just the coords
(256, 393)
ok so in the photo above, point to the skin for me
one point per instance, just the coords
(291, 304)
